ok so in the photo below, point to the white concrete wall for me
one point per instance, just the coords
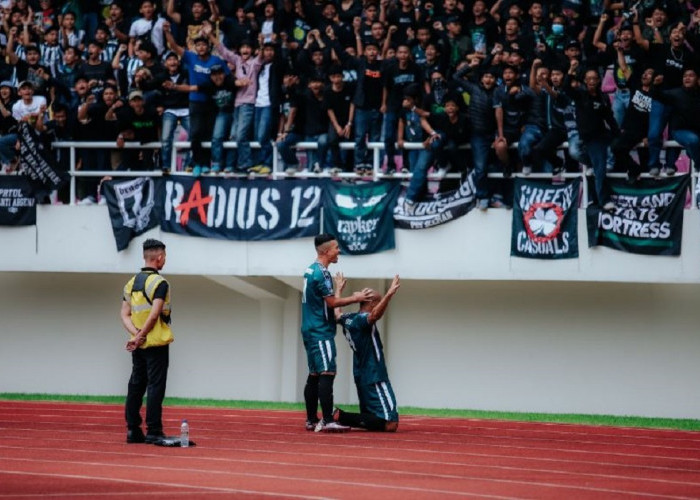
(502, 345)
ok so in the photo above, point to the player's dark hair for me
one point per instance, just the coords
(152, 244)
(322, 239)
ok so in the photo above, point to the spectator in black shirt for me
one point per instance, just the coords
(8, 136)
(136, 122)
(310, 123)
(97, 72)
(398, 75)
(597, 127)
(669, 61)
(635, 127)
(685, 117)
(341, 109)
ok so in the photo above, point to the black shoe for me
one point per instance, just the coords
(154, 438)
(135, 436)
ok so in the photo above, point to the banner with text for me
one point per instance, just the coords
(36, 161)
(360, 216)
(134, 207)
(648, 217)
(545, 221)
(17, 202)
(242, 209)
(437, 208)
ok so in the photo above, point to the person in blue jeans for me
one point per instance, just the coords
(175, 107)
(221, 89)
(597, 126)
(198, 64)
(483, 121)
(684, 104)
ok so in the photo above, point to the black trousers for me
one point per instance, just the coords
(149, 374)
(621, 148)
(201, 129)
(546, 149)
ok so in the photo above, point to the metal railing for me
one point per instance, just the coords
(278, 172)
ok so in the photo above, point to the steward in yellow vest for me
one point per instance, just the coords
(145, 315)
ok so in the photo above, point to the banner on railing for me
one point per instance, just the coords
(17, 202)
(360, 216)
(648, 217)
(436, 208)
(545, 221)
(242, 209)
(36, 161)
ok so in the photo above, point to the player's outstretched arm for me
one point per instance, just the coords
(380, 308)
(339, 281)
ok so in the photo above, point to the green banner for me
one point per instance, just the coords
(361, 216)
(647, 219)
(545, 222)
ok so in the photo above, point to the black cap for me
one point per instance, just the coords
(454, 19)
(335, 69)
(573, 44)
(217, 68)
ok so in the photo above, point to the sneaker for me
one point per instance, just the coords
(310, 426)
(135, 436)
(322, 426)
(188, 169)
(609, 206)
(215, 170)
(590, 172)
(197, 171)
(205, 170)
(359, 170)
(409, 206)
(291, 170)
(496, 202)
(102, 200)
(654, 171)
(154, 437)
(405, 170)
(263, 170)
(390, 171)
(316, 169)
(527, 170)
(88, 200)
(334, 171)
(483, 204)
(228, 170)
(671, 170)
(609, 168)
(440, 173)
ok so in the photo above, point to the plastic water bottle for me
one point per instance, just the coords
(185, 434)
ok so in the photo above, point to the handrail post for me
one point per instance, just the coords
(72, 176)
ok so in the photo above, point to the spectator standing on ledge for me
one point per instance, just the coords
(145, 314)
(318, 332)
(378, 410)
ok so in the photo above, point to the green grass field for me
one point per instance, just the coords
(609, 420)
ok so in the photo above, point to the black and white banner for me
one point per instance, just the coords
(134, 207)
(36, 161)
(648, 217)
(437, 208)
(360, 216)
(242, 209)
(545, 222)
(17, 202)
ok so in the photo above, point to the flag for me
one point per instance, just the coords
(545, 220)
(647, 219)
(17, 201)
(134, 207)
(360, 216)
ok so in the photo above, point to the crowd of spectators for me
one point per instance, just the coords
(602, 75)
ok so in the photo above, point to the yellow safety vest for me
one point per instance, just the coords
(139, 292)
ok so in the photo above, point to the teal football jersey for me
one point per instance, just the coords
(317, 318)
(368, 359)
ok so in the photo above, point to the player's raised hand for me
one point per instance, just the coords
(395, 285)
(339, 281)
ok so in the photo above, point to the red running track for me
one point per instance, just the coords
(67, 450)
